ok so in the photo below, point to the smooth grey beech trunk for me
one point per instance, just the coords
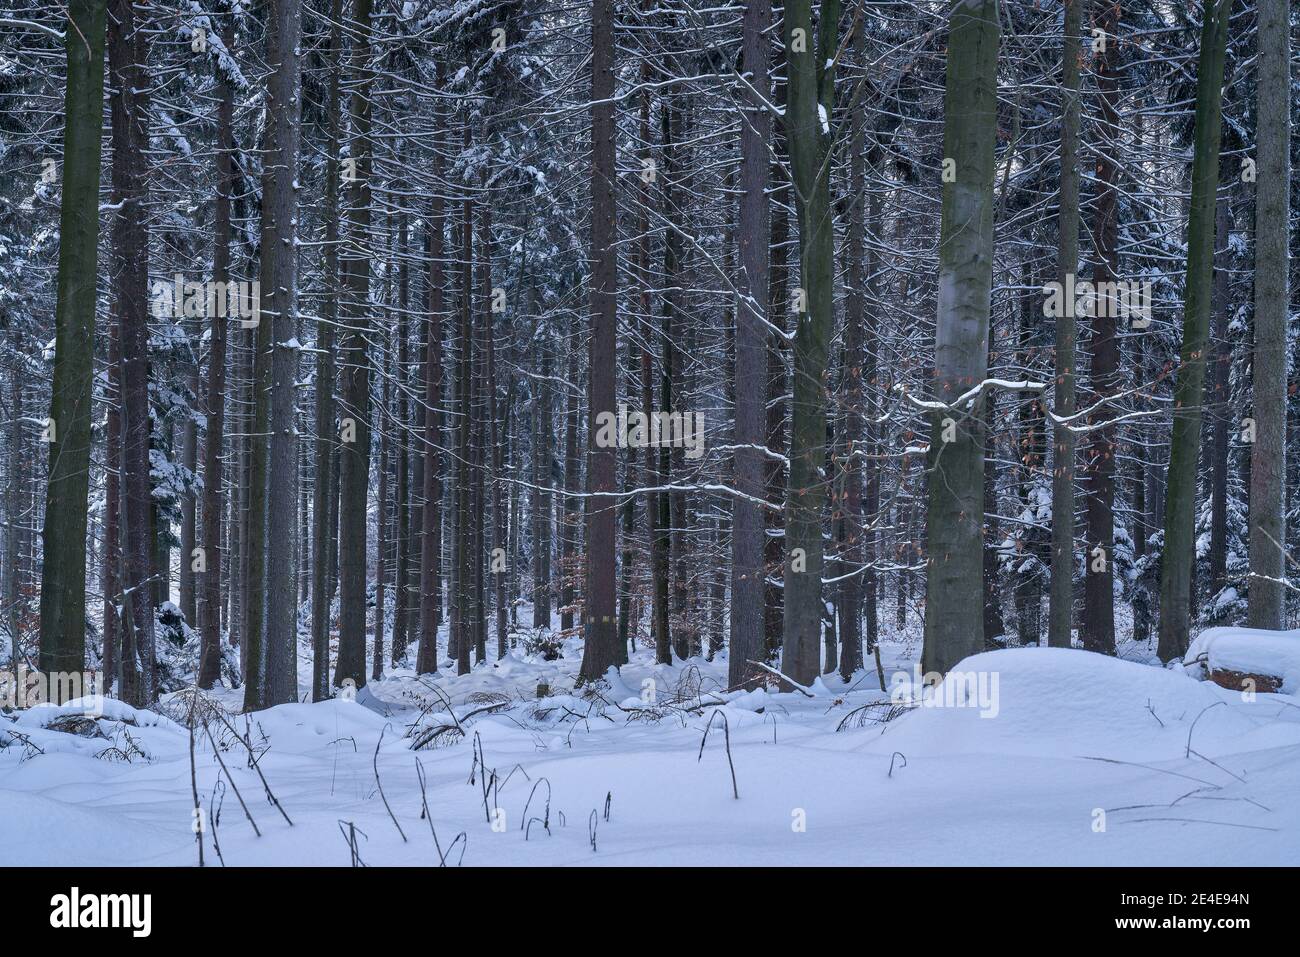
(63, 572)
(954, 518)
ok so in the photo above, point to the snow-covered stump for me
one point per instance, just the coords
(1247, 659)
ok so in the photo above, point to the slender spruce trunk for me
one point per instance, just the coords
(747, 520)
(777, 474)
(13, 510)
(543, 476)
(382, 524)
(463, 633)
(1216, 400)
(214, 439)
(401, 456)
(810, 68)
(1189, 386)
(110, 579)
(1061, 594)
(569, 517)
(279, 277)
(325, 486)
(129, 125)
(871, 505)
(1098, 631)
(354, 455)
(431, 539)
(1272, 209)
(850, 537)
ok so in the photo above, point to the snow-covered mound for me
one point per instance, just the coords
(97, 706)
(1068, 703)
(1252, 651)
(93, 726)
(622, 773)
(308, 728)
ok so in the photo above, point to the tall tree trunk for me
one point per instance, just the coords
(994, 624)
(807, 123)
(1060, 612)
(477, 403)
(189, 461)
(463, 623)
(325, 487)
(129, 116)
(401, 455)
(382, 539)
(514, 504)
(239, 506)
(569, 519)
(431, 539)
(954, 518)
(13, 510)
(672, 332)
(279, 278)
(657, 531)
(415, 518)
(871, 506)
(256, 507)
(335, 470)
(354, 456)
(776, 470)
(747, 521)
(1217, 402)
(850, 540)
(658, 465)
(1098, 631)
(1141, 604)
(110, 580)
(160, 533)
(501, 515)
(543, 478)
(214, 440)
(479, 437)
(1029, 559)
(627, 512)
(1189, 387)
(302, 557)
(494, 450)
(63, 571)
(1272, 208)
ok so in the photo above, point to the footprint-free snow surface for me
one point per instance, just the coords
(1030, 756)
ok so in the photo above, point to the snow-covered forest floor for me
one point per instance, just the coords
(1057, 757)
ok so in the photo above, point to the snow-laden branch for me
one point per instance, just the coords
(32, 25)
